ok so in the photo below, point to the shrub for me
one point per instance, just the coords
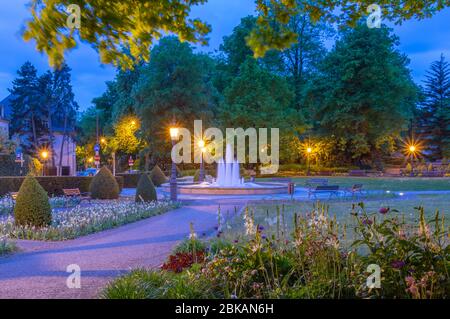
(197, 175)
(104, 185)
(32, 205)
(130, 180)
(158, 177)
(145, 190)
(53, 185)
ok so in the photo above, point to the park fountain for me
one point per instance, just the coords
(228, 181)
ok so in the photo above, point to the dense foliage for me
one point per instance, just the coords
(145, 190)
(136, 25)
(104, 185)
(433, 118)
(316, 260)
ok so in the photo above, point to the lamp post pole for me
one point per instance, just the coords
(173, 174)
(201, 177)
(308, 154)
(173, 178)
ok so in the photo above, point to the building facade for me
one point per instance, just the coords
(69, 162)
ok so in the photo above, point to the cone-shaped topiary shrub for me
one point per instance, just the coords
(197, 175)
(32, 206)
(158, 177)
(104, 185)
(145, 190)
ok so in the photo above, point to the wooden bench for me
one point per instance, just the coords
(357, 172)
(313, 182)
(75, 193)
(433, 174)
(324, 189)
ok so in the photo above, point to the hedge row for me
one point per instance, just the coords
(53, 185)
(130, 180)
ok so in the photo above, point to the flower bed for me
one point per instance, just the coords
(83, 220)
(313, 260)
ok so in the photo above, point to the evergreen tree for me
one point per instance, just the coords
(28, 115)
(365, 95)
(434, 114)
(46, 101)
(65, 107)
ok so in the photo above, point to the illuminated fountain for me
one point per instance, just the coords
(228, 182)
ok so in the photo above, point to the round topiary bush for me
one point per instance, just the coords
(145, 190)
(158, 177)
(104, 185)
(32, 205)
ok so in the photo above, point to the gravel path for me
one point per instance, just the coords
(39, 270)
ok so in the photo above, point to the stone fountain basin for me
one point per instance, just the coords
(260, 188)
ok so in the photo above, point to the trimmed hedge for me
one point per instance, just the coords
(130, 180)
(104, 185)
(145, 190)
(32, 207)
(158, 177)
(53, 185)
(8, 166)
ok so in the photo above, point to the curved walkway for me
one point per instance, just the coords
(39, 270)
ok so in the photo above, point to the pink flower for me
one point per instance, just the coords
(384, 210)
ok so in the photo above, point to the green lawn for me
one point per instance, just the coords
(383, 183)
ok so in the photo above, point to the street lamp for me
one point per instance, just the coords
(201, 145)
(44, 156)
(308, 154)
(174, 135)
(412, 149)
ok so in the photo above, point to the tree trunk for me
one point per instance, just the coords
(62, 146)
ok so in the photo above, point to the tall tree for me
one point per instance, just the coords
(65, 105)
(111, 25)
(46, 101)
(275, 15)
(28, 115)
(257, 98)
(365, 95)
(173, 85)
(434, 114)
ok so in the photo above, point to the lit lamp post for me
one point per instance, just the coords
(201, 145)
(308, 154)
(412, 151)
(174, 132)
(44, 156)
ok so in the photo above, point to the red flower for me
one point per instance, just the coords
(180, 261)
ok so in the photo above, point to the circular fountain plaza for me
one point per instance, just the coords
(229, 182)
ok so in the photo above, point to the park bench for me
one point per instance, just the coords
(433, 174)
(357, 172)
(324, 189)
(355, 190)
(74, 193)
(313, 182)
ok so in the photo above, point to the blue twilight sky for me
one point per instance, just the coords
(423, 41)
